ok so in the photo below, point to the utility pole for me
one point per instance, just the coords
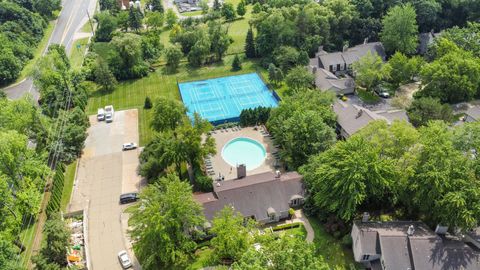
(91, 23)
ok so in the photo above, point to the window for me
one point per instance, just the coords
(365, 257)
(334, 67)
(339, 67)
(330, 68)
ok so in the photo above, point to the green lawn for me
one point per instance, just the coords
(42, 45)
(78, 52)
(27, 236)
(298, 232)
(336, 255)
(86, 28)
(192, 13)
(368, 97)
(68, 185)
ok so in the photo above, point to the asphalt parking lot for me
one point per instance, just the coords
(104, 172)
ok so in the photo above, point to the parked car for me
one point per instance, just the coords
(129, 146)
(124, 259)
(101, 114)
(382, 91)
(128, 197)
(109, 112)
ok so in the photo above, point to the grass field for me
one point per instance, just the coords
(27, 237)
(330, 248)
(192, 13)
(42, 45)
(68, 185)
(77, 54)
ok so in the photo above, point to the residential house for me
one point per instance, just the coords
(410, 245)
(266, 197)
(332, 70)
(351, 118)
(472, 114)
(425, 40)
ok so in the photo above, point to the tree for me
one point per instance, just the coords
(7, 252)
(343, 12)
(127, 58)
(370, 70)
(46, 7)
(404, 69)
(232, 237)
(250, 50)
(400, 30)
(204, 6)
(272, 73)
(173, 55)
(426, 109)
(151, 47)
(148, 103)
(110, 5)
(427, 14)
(302, 135)
(220, 41)
(236, 64)
(56, 242)
(228, 11)
(453, 77)
(241, 9)
(156, 6)
(257, 8)
(299, 79)
(168, 114)
(106, 26)
(164, 221)
(10, 66)
(154, 20)
(199, 52)
(103, 76)
(442, 184)
(135, 17)
(286, 57)
(465, 38)
(217, 5)
(346, 175)
(281, 253)
(123, 20)
(170, 18)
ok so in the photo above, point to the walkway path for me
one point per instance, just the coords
(300, 217)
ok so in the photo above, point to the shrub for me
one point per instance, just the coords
(347, 240)
(236, 64)
(147, 104)
(287, 226)
(291, 212)
(203, 183)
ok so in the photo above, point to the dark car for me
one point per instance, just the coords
(128, 197)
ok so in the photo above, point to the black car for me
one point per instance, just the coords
(128, 197)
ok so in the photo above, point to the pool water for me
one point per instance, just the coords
(244, 151)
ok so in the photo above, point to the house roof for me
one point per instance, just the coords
(422, 250)
(253, 195)
(352, 118)
(425, 39)
(351, 55)
(326, 80)
(474, 112)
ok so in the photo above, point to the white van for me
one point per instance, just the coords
(101, 114)
(109, 113)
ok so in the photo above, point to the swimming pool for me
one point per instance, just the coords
(244, 150)
(222, 100)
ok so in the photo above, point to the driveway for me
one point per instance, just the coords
(104, 172)
(72, 17)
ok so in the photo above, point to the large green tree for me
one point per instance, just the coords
(107, 24)
(453, 77)
(425, 109)
(54, 251)
(162, 224)
(232, 234)
(400, 30)
(168, 114)
(299, 79)
(370, 71)
(283, 253)
(403, 69)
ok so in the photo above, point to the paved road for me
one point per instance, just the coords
(71, 19)
(104, 173)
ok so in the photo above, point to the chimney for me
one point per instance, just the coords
(365, 41)
(411, 230)
(365, 217)
(345, 47)
(277, 174)
(359, 114)
(320, 48)
(441, 230)
(241, 171)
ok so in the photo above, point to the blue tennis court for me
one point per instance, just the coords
(223, 99)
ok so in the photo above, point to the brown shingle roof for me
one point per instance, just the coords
(253, 195)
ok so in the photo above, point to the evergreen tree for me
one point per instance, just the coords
(148, 103)
(104, 76)
(241, 9)
(135, 18)
(271, 73)
(217, 5)
(156, 5)
(236, 64)
(250, 50)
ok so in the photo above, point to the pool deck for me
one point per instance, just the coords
(222, 137)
